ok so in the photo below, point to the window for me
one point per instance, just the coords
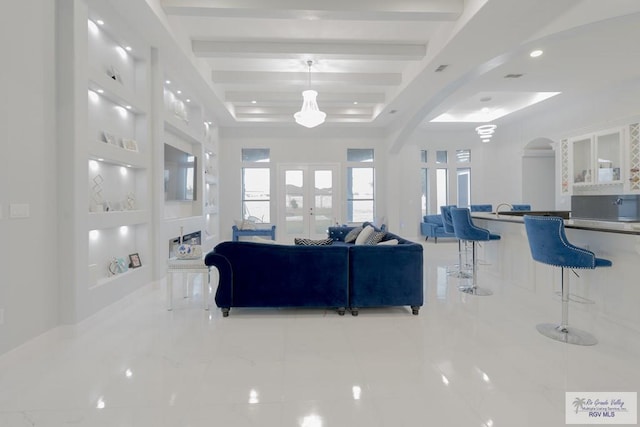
(360, 155)
(360, 186)
(464, 187)
(442, 187)
(257, 155)
(424, 184)
(463, 156)
(435, 173)
(256, 185)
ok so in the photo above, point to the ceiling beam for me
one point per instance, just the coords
(293, 49)
(302, 78)
(329, 97)
(358, 10)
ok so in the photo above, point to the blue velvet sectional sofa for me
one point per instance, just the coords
(338, 275)
(381, 275)
(431, 226)
(265, 275)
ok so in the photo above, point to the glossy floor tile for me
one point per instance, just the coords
(464, 361)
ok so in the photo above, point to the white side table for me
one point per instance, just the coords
(198, 266)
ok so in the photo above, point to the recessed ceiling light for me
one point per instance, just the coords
(128, 48)
(188, 100)
(100, 91)
(535, 53)
(168, 82)
(100, 22)
(254, 101)
(178, 92)
(355, 102)
(128, 107)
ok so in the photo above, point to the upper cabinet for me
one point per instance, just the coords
(608, 158)
(604, 162)
(582, 154)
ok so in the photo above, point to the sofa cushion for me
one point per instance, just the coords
(352, 235)
(310, 242)
(364, 235)
(391, 242)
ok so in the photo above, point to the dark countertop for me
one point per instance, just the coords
(632, 228)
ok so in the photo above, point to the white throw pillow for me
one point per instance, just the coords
(364, 235)
(390, 242)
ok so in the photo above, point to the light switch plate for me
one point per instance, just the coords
(19, 210)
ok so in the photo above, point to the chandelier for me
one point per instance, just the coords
(310, 115)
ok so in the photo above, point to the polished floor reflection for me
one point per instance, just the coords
(464, 361)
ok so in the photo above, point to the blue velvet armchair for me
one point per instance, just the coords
(432, 226)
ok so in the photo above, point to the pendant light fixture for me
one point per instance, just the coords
(310, 115)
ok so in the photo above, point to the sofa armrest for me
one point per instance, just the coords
(224, 293)
(386, 276)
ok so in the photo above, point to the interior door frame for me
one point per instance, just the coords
(308, 169)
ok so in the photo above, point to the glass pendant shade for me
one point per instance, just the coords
(310, 115)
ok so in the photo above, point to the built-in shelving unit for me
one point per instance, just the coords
(211, 191)
(118, 150)
(187, 128)
(118, 110)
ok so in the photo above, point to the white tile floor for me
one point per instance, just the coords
(464, 361)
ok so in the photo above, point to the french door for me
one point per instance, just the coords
(308, 200)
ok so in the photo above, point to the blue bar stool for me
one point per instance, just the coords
(481, 208)
(549, 245)
(520, 207)
(445, 211)
(465, 230)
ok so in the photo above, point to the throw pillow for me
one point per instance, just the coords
(364, 235)
(388, 242)
(352, 235)
(375, 238)
(310, 242)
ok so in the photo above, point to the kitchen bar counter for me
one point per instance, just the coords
(601, 295)
(580, 224)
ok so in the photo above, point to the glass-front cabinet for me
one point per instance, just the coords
(608, 158)
(582, 161)
(597, 158)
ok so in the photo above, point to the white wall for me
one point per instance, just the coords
(28, 254)
(306, 149)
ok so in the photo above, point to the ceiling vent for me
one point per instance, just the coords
(441, 68)
(513, 76)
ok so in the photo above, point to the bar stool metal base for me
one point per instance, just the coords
(474, 290)
(566, 334)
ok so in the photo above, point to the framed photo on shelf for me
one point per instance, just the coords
(114, 74)
(130, 144)
(109, 138)
(134, 261)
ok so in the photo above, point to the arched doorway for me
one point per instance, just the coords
(539, 174)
